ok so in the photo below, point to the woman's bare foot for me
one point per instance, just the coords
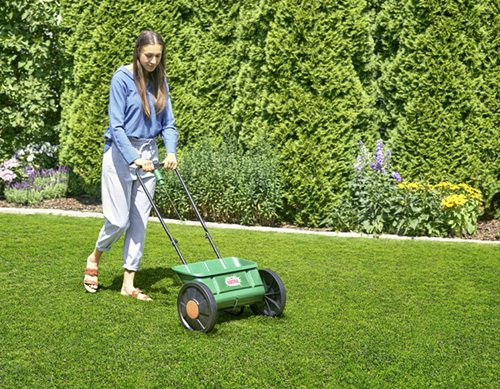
(128, 288)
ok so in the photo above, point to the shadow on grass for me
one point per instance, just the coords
(225, 316)
(146, 278)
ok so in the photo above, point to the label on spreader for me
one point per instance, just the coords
(233, 281)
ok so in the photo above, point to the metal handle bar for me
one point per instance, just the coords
(174, 242)
(207, 234)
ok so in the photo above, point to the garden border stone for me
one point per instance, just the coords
(24, 211)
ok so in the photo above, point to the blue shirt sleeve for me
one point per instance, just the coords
(117, 111)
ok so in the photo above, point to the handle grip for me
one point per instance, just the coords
(156, 172)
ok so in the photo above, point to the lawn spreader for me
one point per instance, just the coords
(219, 284)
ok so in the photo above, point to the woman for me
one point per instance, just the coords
(139, 111)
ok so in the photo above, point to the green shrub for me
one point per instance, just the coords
(226, 184)
(30, 74)
(231, 73)
(310, 77)
(317, 99)
(438, 88)
(441, 209)
(372, 194)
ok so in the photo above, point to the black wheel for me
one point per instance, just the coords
(274, 299)
(197, 307)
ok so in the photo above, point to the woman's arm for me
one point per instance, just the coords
(117, 107)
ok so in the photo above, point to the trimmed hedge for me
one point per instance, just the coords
(308, 78)
(316, 103)
(438, 83)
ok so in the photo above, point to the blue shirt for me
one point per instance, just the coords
(126, 117)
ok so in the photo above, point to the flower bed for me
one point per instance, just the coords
(380, 202)
(24, 184)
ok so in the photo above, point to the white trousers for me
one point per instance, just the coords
(124, 203)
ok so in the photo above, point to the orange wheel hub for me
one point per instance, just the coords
(192, 309)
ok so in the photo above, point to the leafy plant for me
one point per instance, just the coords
(30, 73)
(461, 206)
(372, 203)
(226, 184)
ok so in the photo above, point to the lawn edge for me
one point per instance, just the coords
(24, 211)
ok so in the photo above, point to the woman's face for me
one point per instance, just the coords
(150, 56)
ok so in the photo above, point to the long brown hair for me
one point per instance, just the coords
(156, 78)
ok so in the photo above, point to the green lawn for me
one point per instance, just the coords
(363, 313)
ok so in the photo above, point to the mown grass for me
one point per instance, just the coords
(361, 313)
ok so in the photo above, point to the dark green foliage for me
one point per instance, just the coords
(284, 74)
(94, 48)
(29, 74)
(226, 184)
(438, 82)
(201, 64)
(308, 78)
(317, 106)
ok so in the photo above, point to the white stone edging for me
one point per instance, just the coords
(26, 211)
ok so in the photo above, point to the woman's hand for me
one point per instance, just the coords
(146, 164)
(170, 162)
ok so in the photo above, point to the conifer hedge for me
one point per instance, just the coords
(438, 83)
(310, 78)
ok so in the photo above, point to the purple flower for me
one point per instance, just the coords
(29, 170)
(63, 168)
(379, 153)
(387, 158)
(361, 143)
(373, 166)
(397, 176)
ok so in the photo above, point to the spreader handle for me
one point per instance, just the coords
(157, 173)
(174, 241)
(207, 234)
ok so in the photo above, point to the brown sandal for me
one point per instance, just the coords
(89, 283)
(137, 293)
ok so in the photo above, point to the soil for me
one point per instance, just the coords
(487, 230)
(65, 204)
